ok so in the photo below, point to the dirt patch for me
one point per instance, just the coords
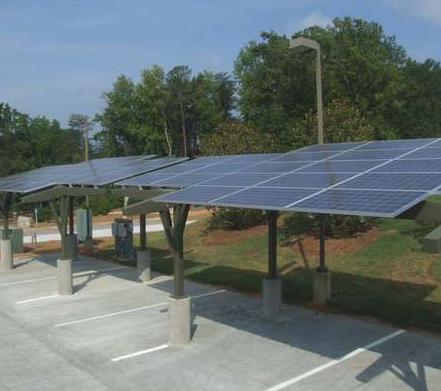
(309, 246)
(220, 237)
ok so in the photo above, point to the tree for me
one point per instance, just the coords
(343, 123)
(116, 137)
(235, 137)
(179, 104)
(361, 63)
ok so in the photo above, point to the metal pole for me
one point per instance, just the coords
(319, 96)
(322, 267)
(5, 216)
(272, 244)
(142, 233)
(71, 216)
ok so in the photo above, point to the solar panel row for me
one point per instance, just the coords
(380, 178)
(95, 172)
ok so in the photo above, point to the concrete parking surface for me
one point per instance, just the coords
(112, 334)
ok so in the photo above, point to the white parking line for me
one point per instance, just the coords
(79, 274)
(131, 310)
(140, 353)
(36, 299)
(346, 357)
(111, 314)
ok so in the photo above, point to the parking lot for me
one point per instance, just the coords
(112, 334)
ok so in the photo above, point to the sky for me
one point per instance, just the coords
(58, 57)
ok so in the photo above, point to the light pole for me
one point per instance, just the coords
(303, 42)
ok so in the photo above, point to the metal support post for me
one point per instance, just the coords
(322, 267)
(272, 285)
(142, 233)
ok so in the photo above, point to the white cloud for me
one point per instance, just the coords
(427, 9)
(314, 19)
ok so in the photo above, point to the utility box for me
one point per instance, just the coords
(432, 241)
(83, 224)
(16, 235)
(122, 230)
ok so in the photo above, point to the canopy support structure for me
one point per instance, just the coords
(272, 284)
(7, 257)
(64, 264)
(143, 256)
(322, 275)
(180, 306)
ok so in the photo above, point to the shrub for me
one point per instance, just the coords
(233, 218)
(336, 226)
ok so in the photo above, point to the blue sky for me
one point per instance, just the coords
(57, 57)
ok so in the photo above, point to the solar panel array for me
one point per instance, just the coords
(96, 172)
(379, 178)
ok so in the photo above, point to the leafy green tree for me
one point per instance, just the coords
(360, 63)
(116, 137)
(235, 137)
(343, 123)
(419, 114)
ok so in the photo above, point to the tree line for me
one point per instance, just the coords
(372, 90)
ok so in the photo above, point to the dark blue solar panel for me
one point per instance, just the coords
(342, 166)
(394, 181)
(273, 167)
(255, 158)
(181, 168)
(305, 156)
(196, 194)
(425, 153)
(146, 179)
(420, 165)
(184, 180)
(222, 168)
(239, 179)
(371, 155)
(360, 202)
(435, 145)
(333, 146)
(264, 198)
(316, 180)
(391, 144)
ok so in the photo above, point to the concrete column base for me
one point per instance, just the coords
(7, 258)
(322, 287)
(72, 246)
(88, 246)
(180, 320)
(65, 280)
(272, 297)
(144, 265)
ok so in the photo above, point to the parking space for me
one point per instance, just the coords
(112, 334)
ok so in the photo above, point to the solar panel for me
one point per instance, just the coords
(380, 178)
(360, 202)
(95, 172)
(425, 153)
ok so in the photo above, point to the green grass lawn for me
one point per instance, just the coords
(391, 279)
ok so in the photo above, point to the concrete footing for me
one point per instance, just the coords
(6, 259)
(88, 246)
(180, 321)
(65, 280)
(72, 246)
(144, 265)
(272, 297)
(322, 287)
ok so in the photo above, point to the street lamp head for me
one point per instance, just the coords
(303, 42)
